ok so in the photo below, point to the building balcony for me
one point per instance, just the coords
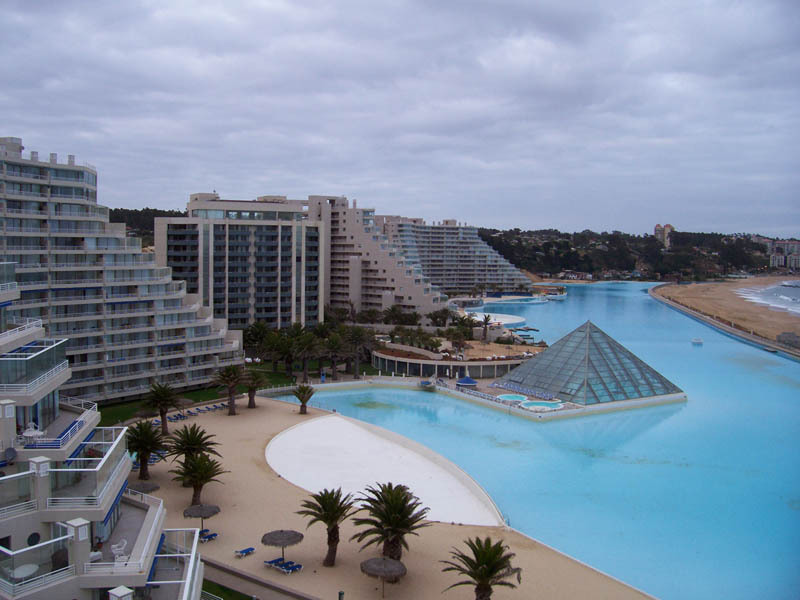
(32, 381)
(91, 480)
(141, 518)
(43, 564)
(22, 332)
(76, 420)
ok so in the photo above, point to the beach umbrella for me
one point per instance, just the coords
(282, 538)
(384, 569)
(466, 381)
(201, 511)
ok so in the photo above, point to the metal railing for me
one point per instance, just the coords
(63, 439)
(131, 566)
(7, 287)
(90, 501)
(28, 324)
(28, 388)
(14, 589)
(17, 509)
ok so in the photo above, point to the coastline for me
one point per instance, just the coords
(719, 306)
(255, 499)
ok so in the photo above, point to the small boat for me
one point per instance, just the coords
(697, 341)
(562, 296)
(772, 350)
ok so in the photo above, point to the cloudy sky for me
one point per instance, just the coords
(510, 113)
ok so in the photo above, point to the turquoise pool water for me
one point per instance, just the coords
(519, 397)
(696, 500)
(542, 403)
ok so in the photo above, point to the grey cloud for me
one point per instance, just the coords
(511, 113)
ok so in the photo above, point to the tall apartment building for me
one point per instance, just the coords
(64, 506)
(256, 260)
(128, 323)
(662, 234)
(452, 256)
(364, 267)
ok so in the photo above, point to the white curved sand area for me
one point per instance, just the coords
(333, 451)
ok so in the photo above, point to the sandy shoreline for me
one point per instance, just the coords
(255, 499)
(721, 302)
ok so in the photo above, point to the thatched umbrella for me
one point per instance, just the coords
(282, 538)
(386, 569)
(201, 511)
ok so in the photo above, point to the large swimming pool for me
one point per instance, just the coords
(697, 500)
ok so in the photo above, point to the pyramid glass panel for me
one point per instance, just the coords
(586, 367)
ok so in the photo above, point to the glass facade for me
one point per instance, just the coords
(587, 367)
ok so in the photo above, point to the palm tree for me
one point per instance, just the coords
(305, 347)
(253, 380)
(333, 346)
(488, 565)
(144, 439)
(197, 471)
(161, 398)
(331, 509)
(394, 512)
(229, 377)
(303, 393)
(191, 441)
(486, 320)
(358, 338)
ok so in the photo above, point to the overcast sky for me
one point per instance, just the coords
(510, 113)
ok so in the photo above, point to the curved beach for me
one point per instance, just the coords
(721, 305)
(254, 499)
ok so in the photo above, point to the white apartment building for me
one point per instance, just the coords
(247, 261)
(127, 322)
(364, 268)
(65, 511)
(451, 255)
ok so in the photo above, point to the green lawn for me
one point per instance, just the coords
(223, 592)
(117, 413)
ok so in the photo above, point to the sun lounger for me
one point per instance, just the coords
(274, 563)
(204, 532)
(208, 538)
(290, 567)
(244, 552)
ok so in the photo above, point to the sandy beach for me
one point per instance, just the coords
(720, 301)
(255, 499)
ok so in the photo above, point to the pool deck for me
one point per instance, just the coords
(254, 499)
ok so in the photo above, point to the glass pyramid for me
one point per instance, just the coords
(587, 366)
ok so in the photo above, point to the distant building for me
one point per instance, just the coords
(365, 268)
(248, 260)
(662, 234)
(782, 253)
(452, 255)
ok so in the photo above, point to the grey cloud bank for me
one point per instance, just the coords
(505, 114)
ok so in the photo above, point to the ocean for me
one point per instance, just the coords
(785, 296)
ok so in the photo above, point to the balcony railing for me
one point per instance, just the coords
(26, 324)
(89, 408)
(7, 287)
(132, 566)
(29, 388)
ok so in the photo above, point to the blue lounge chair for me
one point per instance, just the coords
(192, 413)
(290, 567)
(244, 552)
(208, 538)
(275, 563)
(204, 532)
